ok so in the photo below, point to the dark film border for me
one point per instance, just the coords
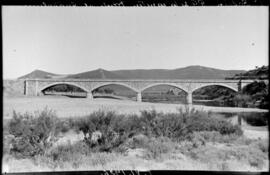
(138, 2)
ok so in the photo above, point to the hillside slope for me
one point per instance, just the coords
(190, 72)
(96, 74)
(38, 74)
(257, 73)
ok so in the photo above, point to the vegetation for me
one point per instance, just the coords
(257, 73)
(253, 95)
(104, 91)
(221, 96)
(108, 134)
(64, 88)
(258, 93)
(213, 92)
(106, 131)
(32, 135)
(71, 88)
(166, 98)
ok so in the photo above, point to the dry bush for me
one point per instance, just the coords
(214, 136)
(156, 147)
(33, 134)
(69, 153)
(247, 154)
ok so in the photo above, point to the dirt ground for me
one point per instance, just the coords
(72, 107)
(132, 161)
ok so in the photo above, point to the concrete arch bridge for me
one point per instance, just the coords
(35, 87)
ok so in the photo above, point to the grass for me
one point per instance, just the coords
(218, 150)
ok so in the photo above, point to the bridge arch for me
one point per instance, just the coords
(114, 83)
(215, 84)
(168, 84)
(62, 83)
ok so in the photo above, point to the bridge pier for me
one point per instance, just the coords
(239, 86)
(89, 95)
(139, 96)
(189, 98)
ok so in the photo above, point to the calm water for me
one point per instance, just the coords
(248, 118)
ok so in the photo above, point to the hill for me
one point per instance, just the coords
(38, 74)
(257, 73)
(96, 74)
(190, 72)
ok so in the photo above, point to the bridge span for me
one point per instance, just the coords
(35, 87)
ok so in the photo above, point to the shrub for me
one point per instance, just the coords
(262, 145)
(158, 146)
(33, 134)
(255, 157)
(215, 136)
(137, 141)
(154, 147)
(63, 126)
(224, 127)
(179, 126)
(116, 129)
(197, 140)
(68, 152)
(212, 155)
(148, 121)
(63, 155)
(169, 125)
(132, 125)
(185, 146)
(203, 122)
(111, 126)
(241, 100)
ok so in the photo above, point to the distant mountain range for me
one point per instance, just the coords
(190, 72)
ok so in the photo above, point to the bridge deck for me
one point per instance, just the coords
(142, 80)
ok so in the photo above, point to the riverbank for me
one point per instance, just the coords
(68, 107)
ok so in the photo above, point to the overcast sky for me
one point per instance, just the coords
(68, 40)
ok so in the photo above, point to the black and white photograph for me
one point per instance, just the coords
(135, 88)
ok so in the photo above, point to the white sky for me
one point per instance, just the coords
(68, 40)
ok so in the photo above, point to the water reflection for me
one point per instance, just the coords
(244, 118)
(213, 103)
